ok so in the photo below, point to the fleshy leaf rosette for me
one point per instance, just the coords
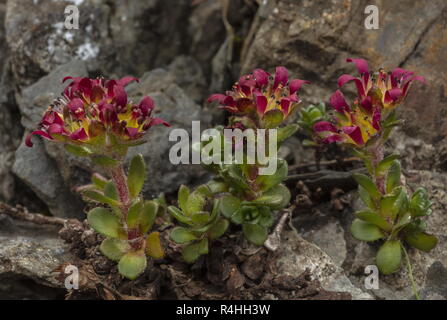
(259, 100)
(371, 112)
(96, 115)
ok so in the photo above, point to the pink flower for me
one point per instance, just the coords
(261, 97)
(386, 90)
(92, 111)
(377, 93)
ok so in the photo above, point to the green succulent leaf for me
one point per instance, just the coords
(229, 205)
(196, 202)
(421, 240)
(79, 151)
(133, 216)
(204, 190)
(132, 264)
(365, 231)
(266, 218)
(182, 235)
(273, 118)
(237, 177)
(99, 181)
(217, 186)
(148, 215)
(309, 143)
(183, 195)
(100, 197)
(201, 218)
(137, 173)
(154, 249)
(367, 200)
(389, 257)
(254, 233)
(218, 229)
(386, 163)
(392, 205)
(285, 132)
(393, 177)
(104, 222)
(374, 218)
(110, 191)
(420, 203)
(268, 181)
(104, 161)
(278, 191)
(368, 185)
(404, 220)
(179, 215)
(273, 200)
(193, 251)
(114, 249)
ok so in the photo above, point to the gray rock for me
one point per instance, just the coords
(114, 37)
(29, 251)
(40, 173)
(51, 172)
(314, 38)
(189, 76)
(296, 255)
(330, 239)
(207, 32)
(178, 109)
(35, 99)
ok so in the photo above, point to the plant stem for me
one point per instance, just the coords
(376, 152)
(410, 272)
(119, 179)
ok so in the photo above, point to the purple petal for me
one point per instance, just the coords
(358, 82)
(157, 121)
(79, 134)
(76, 107)
(361, 64)
(400, 73)
(85, 86)
(355, 134)
(285, 105)
(146, 105)
(28, 141)
(120, 96)
(55, 129)
(281, 77)
(338, 102)
(261, 77)
(324, 126)
(216, 97)
(407, 85)
(296, 85)
(345, 78)
(367, 105)
(261, 104)
(376, 119)
(66, 78)
(393, 95)
(126, 80)
(131, 132)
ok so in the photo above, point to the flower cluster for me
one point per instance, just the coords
(377, 94)
(94, 112)
(262, 99)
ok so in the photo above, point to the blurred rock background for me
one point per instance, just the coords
(183, 50)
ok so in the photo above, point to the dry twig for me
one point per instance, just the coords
(22, 213)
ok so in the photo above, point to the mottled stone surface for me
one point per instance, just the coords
(32, 252)
(296, 255)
